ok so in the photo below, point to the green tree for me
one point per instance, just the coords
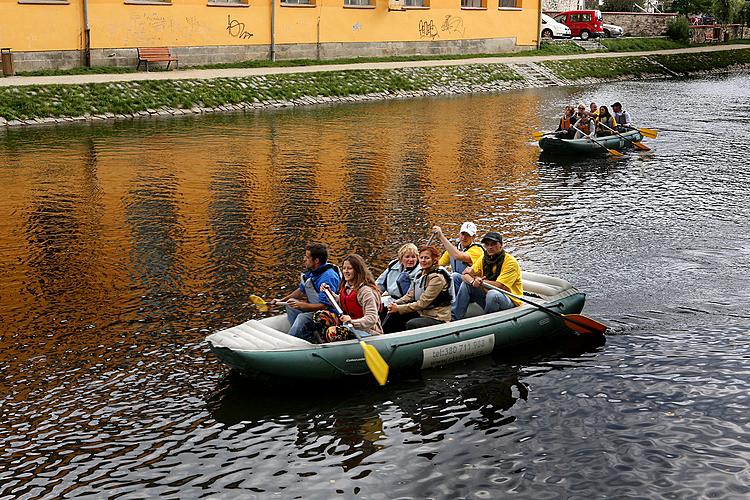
(687, 7)
(726, 11)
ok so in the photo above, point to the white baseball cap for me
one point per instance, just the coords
(469, 227)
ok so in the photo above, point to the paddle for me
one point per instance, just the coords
(262, 305)
(636, 144)
(374, 360)
(613, 152)
(539, 135)
(647, 132)
(576, 322)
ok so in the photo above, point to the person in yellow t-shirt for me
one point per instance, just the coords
(462, 256)
(495, 267)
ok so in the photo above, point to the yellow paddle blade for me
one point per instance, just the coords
(537, 135)
(375, 362)
(261, 304)
(641, 146)
(614, 152)
(583, 324)
(648, 132)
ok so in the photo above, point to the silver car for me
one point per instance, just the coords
(612, 30)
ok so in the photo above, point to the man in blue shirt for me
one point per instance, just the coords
(307, 298)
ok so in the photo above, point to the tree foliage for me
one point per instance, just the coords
(678, 29)
(727, 11)
(687, 7)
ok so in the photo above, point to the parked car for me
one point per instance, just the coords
(553, 29)
(582, 23)
(612, 30)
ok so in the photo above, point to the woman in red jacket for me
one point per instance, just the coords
(359, 296)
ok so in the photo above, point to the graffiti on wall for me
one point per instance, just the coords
(453, 24)
(237, 29)
(427, 29)
(450, 25)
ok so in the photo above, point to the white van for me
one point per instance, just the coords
(553, 29)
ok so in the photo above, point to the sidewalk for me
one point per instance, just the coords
(244, 72)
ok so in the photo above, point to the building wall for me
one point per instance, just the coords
(43, 33)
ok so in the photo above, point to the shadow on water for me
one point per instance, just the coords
(479, 393)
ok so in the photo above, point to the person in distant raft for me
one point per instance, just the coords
(495, 267)
(462, 256)
(308, 297)
(622, 117)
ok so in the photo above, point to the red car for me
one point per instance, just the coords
(582, 23)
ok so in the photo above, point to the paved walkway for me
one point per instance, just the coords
(243, 72)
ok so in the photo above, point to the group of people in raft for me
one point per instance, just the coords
(597, 121)
(419, 288)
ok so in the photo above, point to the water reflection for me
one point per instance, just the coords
(125, 244)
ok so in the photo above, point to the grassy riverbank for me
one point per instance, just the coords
(22, 104)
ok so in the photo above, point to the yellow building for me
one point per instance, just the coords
(67, 33)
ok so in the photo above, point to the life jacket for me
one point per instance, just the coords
(458, 266)
(582, 124)
(564, 123)
(396, 279)
(445, 297)
(609, 121)
(492, 271)
(308, 282)
(348, 302)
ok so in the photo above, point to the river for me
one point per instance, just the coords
(125, 244)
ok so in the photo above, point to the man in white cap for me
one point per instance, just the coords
(462, 256)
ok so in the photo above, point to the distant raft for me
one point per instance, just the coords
(584, 146)
(264, 347)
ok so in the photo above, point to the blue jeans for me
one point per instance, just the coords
(302, 324)
(492, 301)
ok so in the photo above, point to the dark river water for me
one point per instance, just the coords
(124, 245)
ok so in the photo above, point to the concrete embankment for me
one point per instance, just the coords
(28, 101)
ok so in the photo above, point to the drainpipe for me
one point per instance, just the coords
(86, 35)
(539, 28)
(273, 30)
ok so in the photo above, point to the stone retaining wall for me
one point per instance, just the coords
(640, 23)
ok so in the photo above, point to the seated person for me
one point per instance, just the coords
(585, 126)
(358, 296)
(428, 301)
(497, 268)
(462, 256)
(566, 120)
(607, 124)
(621, 117)
(397, 277)
(308, 298)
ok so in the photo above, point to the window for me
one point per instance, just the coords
(561, 18)
(306, 3)
(416, 3)
(580, 18)
(360, 3)
(62, 2)
(474, 4)
(228, 3)
(149, 2)
(510, 4)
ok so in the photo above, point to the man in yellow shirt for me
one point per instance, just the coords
(495, 267)
(462, 256)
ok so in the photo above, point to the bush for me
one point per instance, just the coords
(678, 29)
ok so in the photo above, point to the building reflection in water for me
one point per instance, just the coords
(170, 225)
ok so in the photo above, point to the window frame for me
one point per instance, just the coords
(369, 5)
(517, 5)
(471, 7)
(310, 4)
(44, 2)
(425, 5)
(232, 4)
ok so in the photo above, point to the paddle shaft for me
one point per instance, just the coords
(543, 308)
(634, 143)
(341, 313)
(612, 151)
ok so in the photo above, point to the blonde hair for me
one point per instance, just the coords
(407, 249)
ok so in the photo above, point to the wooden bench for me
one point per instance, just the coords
(155, 54)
